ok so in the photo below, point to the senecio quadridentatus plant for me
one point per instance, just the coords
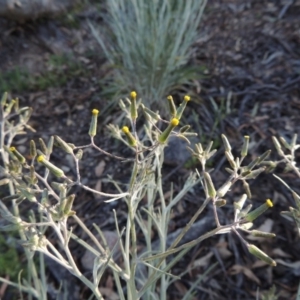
(49, 188)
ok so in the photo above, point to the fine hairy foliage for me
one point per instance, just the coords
(139, 275)
(148, 43)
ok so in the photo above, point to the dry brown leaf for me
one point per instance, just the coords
(203, 261)
(223, 250)
(100, 168)
(236, 269)
(266, 226)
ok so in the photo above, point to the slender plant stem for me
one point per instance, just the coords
(163, 222)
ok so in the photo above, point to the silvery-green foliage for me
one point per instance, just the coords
(149, 45)
(37, 178)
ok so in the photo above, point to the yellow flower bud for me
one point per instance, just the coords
(53, 169)
(130, 138)
(269, 203)
(258, 211)
(133, 95)
(174, 122)
(125, 129)
(18, 155)
(95, 111)
(93, 125)
(182, 107)
(165, 134)
(40, 158)
(133, 107)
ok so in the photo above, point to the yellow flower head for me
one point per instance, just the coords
(12, 149)
(130, 138)
(170, 98)
(133, 95)
(125, 129)
(174, 121)
(40, 158)
(269, 203)
(187, 98)
(95, 112)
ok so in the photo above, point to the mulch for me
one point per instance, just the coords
(251, 86)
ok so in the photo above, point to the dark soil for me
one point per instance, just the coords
(251, 51)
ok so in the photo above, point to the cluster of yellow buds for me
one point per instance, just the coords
(163, 137)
